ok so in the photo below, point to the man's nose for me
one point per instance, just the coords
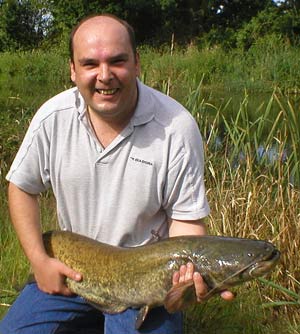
(104, 74)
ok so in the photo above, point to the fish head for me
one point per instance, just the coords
(226, 262)
(262, 267)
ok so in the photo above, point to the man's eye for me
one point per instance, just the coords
(118, 61)
(89, 64)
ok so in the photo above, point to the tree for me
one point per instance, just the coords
(67, 13)
(154, 21)
(291, 4)
(234, 13)
(26, 24)
(23, 24)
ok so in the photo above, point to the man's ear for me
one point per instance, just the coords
(72, 70)
(137, 64)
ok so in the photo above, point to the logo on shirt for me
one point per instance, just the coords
(141, 161)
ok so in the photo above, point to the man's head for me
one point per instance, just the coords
(104, 66)
(128, 27)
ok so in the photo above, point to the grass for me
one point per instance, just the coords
(12, 271)
(252, 165)
(267, 64)
(243, 315)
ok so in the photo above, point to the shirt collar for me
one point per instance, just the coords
(144, 111)
(79, 103)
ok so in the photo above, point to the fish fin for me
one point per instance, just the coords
(110, 308)
(95, 305)
(180, 296)
(141, 316)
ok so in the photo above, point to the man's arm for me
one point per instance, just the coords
(49, 272)
(186, 273)
(186, 227)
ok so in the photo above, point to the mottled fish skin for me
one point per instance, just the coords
(116, 278)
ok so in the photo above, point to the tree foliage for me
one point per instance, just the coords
(28, 24)
(23, 24)
(234, 13)
(270, 22)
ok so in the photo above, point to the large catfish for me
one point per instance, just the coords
(116, 278)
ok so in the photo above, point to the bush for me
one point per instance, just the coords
(271, 21)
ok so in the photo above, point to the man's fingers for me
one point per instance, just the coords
(51, 276)
(189, 271)
(175, 278)
(182, 272)
(65, 291)
(75, 276)
(186, 273)
(70, 273)
(67, 272)
(227, 295)
(200, 286)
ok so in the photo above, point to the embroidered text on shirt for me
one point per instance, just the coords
(141, 161)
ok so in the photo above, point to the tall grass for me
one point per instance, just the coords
(21, 74)
(267, 64)
(253, 179)
(252, 163)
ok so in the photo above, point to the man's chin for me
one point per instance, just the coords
(104, 111)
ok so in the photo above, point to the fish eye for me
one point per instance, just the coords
(250, 254)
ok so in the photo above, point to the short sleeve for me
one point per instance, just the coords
(184, 193)
(29, 170)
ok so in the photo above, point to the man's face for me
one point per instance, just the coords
(105, 68)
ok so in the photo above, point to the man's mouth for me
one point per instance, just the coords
(107, 91)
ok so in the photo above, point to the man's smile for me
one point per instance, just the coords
(107, 91)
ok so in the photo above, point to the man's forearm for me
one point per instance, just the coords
(188, 227)
(25, 217)
(49, 273)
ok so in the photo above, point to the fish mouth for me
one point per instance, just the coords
(262, 267)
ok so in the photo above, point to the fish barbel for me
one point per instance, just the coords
(116, 278)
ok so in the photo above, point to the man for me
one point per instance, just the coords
(125, 163)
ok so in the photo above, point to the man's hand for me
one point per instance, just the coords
(187, 273)
(50, 275)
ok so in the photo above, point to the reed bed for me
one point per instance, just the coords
(252, 179)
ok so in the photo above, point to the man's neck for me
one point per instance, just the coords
(106, 129)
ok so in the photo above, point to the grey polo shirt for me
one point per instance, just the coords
(153, 170)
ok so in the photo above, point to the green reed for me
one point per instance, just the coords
(252, 178)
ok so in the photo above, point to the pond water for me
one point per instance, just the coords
(267, 124)
(255, 102)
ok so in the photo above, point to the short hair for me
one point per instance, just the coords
(128, 27)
